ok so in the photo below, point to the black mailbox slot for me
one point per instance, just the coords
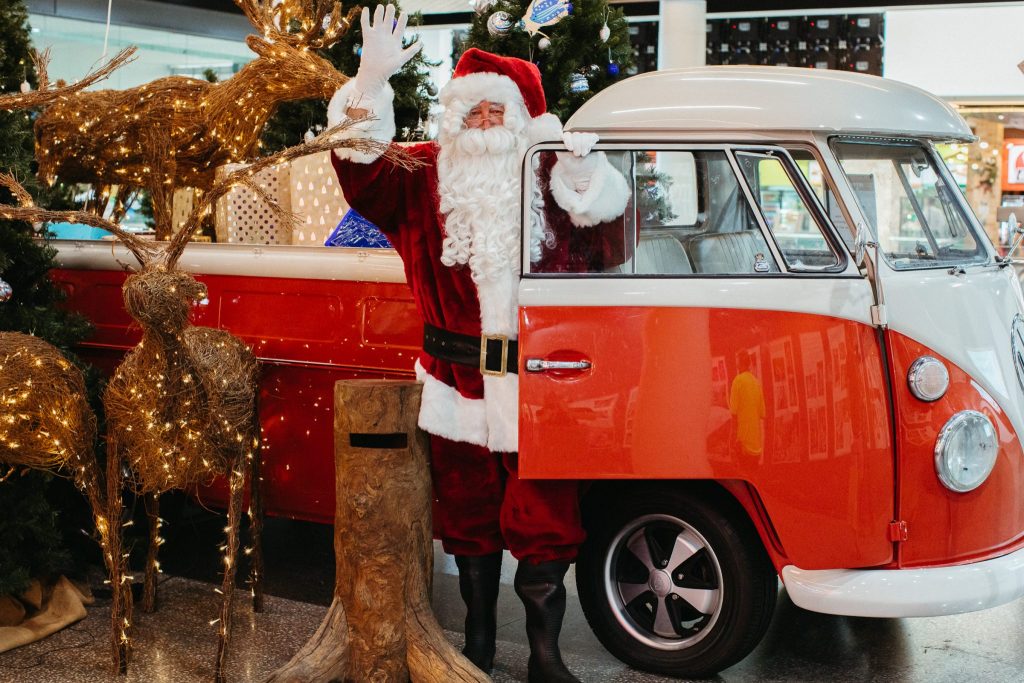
(396, 440)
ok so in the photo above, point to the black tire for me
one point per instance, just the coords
(648, 624)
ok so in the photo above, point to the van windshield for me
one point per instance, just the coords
(910, 204)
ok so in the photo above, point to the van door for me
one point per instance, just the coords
(715, 330)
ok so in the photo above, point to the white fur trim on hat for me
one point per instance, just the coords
(380, 126)
(447, 413)
(465, 92)
(605, 198)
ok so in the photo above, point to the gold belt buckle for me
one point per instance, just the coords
(484, 338)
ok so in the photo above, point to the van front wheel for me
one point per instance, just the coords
(675, 584)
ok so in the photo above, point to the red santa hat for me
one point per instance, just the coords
(481, 75)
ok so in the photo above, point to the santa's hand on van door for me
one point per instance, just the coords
(383, 54)
(578, 164)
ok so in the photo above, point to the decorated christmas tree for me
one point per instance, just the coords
(414, 94)
(581, 47)
(30, 540)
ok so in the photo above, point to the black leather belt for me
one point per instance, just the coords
(493, 354)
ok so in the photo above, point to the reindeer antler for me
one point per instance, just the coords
(45, 95)
(244, 176)
(320, 21)
(27, 211)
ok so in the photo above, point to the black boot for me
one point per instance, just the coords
(479, 578)
(541, 588)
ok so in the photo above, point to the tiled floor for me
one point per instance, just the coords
(177, 644)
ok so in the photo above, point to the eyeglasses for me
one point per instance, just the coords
(495, 114)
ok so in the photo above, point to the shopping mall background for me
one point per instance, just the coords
(966, 52)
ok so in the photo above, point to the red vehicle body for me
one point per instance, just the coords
(307, 334)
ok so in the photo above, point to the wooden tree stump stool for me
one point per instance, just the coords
(380, 627)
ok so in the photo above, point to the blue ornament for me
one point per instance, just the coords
(569, 7)
(356, 231)
(579, 83)
(613, 69)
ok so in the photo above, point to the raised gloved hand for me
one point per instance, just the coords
(578, 163)
(383, 54)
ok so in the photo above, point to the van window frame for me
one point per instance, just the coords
(833, 188)
(728, 147)
(811, 201)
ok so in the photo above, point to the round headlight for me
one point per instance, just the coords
(966, 451)
(928, 379)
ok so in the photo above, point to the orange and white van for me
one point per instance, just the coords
(809, 366)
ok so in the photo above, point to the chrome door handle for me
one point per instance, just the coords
(538, 365)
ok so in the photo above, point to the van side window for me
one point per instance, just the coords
(812, 172)
(786, 213)
(687, 216)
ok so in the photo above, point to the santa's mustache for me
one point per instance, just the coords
(477, 141)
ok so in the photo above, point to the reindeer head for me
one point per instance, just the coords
(292, 31)
(160, 299)
(297, 73)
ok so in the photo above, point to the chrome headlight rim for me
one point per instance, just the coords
(916, 374)
(941, 444)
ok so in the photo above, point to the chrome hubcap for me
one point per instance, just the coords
(663, 582)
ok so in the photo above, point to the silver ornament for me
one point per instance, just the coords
(308, 137)
(25, 87)
(6, 292)
(605, 33)
(544, 43)
(499, 23)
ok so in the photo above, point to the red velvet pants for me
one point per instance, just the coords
(483, 506)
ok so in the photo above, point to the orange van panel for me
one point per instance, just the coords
(794, 404)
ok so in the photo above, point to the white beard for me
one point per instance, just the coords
(479, 188)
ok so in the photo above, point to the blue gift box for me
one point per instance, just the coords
(356, 231)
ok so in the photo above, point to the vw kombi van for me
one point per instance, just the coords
(807, 365)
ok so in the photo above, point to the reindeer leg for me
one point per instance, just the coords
(117, 565)
(152, 503)
(256, 520)
(236, 481)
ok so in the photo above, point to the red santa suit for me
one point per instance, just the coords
(473, 419)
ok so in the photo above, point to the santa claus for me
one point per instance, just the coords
(455, 221)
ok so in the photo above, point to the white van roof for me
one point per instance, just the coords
(762, 98)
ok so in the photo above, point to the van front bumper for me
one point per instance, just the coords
(923, 592)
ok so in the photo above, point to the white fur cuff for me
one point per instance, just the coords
(501, 394)
(380, 127)
(545, 128)
(447, 413)
(605, 198)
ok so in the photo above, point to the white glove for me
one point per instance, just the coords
(578, 163)
(579, 144)
(383, 54)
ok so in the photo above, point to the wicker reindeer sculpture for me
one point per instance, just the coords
(46, 424)
(176, 131)
(181, 407)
